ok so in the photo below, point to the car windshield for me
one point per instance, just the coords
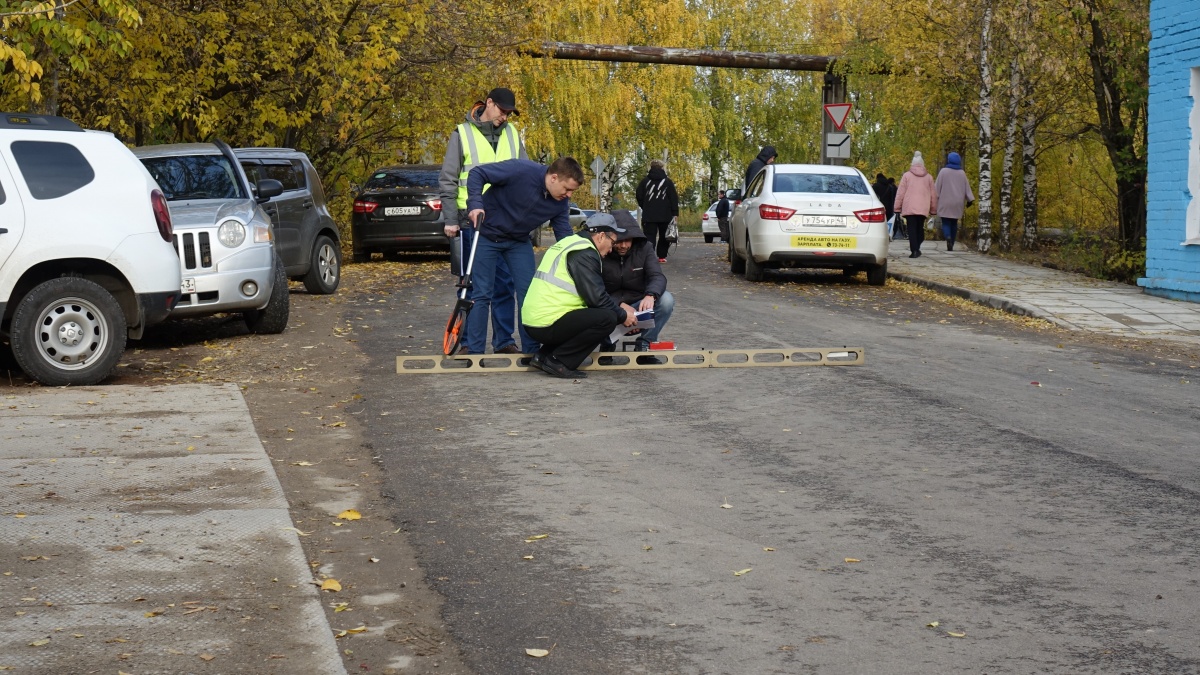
(195, 177)
(819, 183)
(403, 179)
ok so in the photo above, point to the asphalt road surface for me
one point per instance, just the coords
(980, 497)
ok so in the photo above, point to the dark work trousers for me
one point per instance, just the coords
(657, 232)
(916, 232)
(723, 225)
(950, 232)
(575, 335)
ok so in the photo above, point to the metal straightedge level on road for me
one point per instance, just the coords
(706, 358)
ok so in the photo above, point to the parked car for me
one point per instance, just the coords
(809, 215)
(399, 209)
(85, 254)
(708, 224)
(306, 237)
(224, 238)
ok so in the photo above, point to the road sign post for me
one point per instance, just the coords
(833, 95)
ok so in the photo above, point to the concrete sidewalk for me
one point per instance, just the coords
(143, 530)
(1069, 300)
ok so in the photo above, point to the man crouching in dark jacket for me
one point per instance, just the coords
(633, 276)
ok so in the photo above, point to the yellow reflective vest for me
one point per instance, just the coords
(552, 292)
(477, 150)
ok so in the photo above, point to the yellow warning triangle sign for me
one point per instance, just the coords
(838, 112)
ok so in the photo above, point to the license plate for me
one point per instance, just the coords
(402, 211)
(817, 241)
(188, 286)
(823, 221)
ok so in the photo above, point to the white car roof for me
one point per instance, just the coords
(816, 168)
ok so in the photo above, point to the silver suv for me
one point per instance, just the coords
(85, 253)
(306, 238)
(223, 235)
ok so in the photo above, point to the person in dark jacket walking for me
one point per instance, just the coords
(723, 217)
(660, 205)
(633, 276)
(885, 190)
(765, 156)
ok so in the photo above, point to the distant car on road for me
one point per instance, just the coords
(306, 237)
(809, 215)
(399, 209)
(708, 224)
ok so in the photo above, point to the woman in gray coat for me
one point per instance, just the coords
(953, 197)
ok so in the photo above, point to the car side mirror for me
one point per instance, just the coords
(734, 195)
(266, 189)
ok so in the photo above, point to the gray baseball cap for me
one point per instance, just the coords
(598, 222)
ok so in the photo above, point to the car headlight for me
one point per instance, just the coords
(231, 234)
(262, 234)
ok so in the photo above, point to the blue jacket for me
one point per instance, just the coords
(517, 203)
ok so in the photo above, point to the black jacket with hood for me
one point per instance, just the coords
(657, 197)
(629, 278)
(757, 164)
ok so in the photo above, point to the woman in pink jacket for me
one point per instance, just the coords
(916, 200)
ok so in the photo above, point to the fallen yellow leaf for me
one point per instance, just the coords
(537, 653)
(852, 560)
(953, 634)
(302, 534)
(350, 514)
(39, 643)
(360, 629)
(536, 537)
(526, 557)
(207, 657)
(768, 549)
(741, 572)
(331, 585)
(19, 515)
(934, 624)
(302, 463)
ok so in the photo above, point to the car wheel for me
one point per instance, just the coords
(754, 271)
(877, 276)
(273, 318)
(68, 332)
(736, 265)
(708, 238)
(361, 256)
(326, 270)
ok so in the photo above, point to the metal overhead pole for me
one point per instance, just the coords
(680, 57)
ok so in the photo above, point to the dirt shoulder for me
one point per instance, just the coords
(302, 391)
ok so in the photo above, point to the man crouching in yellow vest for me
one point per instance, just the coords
(567, 308)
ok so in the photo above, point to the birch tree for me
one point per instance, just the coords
(985, 131)
(1010, 151)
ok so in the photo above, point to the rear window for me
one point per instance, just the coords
(290, 174)
(52, 170)
(195, 177)
(820, 183)
(416, 178)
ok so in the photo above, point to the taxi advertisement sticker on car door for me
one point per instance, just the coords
(823, 241)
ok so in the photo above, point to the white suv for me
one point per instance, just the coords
(85, 249)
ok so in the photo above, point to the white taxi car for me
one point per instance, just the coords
(809, 215)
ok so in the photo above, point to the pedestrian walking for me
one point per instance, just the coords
(659, 202)
(485, 136)
(916, 200)
(723, 216)
(521, 195)
(765, 156)
(886, 193)
(953, 197)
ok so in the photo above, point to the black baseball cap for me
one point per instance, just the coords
(504, 99)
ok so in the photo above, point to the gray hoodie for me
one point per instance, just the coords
(453, 162)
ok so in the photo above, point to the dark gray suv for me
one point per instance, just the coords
(306, 238)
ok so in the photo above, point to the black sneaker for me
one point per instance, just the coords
(534, 361)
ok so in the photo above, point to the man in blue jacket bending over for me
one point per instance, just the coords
(521, 195)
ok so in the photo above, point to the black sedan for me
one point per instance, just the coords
(399, 209)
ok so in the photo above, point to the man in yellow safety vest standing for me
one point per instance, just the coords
(484, 137)
(567, 308)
